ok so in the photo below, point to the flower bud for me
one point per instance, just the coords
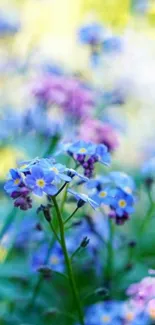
(84, 242)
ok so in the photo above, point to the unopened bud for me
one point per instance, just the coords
(80, 203)
(47, 214)
(84, 242)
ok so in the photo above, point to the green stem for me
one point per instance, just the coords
(68, 263)
(35, 291)
(148, 217)
(55, 233)
(110, 252)
(51, 146)
(71, 216)
(64, 198)
(76, 252)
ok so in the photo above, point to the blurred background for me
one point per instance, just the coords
(69, 70)
(42, 37)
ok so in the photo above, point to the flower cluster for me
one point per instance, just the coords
(95, 34)
(67, 93)
(83, 238)
(115, 191)
(39, 176)
(42, 177)
(99, 39)
(113, 312)
(142, 295)
(86, 154)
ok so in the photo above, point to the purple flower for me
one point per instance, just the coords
(99, 132)
(41, 182)
(24, 203)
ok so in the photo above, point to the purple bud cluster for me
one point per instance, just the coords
(119, 220)
(22, 198)
(87, 164)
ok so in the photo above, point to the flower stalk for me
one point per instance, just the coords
(68, 262)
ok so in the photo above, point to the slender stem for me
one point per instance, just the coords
(35, 291)
(64, 198)
(110, 257)
(54, 231)
(51, 146)
(148, 217)
(76, 252)
(71, 216)
(68, 263)
(61, 188)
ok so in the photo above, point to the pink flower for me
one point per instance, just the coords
(99, 132)
(151, 308)
(66, 92)
(141, 293)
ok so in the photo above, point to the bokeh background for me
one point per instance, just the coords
(48, 32)
(58, 86)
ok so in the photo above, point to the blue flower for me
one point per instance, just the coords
(122, 202)
(148, 169)
(58, 169)
(112, 44)
(9, 24)
(83, 198)
(102, 196)
(41, 182)
(82, 148)
(104, 313)
(28, 233)
(134, 317)
(26, 165)
(92, 33)
(74, 173)
(112, 313)
(102, 154)
(98, 182)
(13, 183)
(123, 181)
(84, 229)
(45, 256)
(87, 154)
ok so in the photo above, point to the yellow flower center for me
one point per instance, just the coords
(103, 194)
(40, 182)
(122, 203)
(54, 260)
(17, 181)
(82, 150)
(55, 170)
(129, 316)
(105, 319)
